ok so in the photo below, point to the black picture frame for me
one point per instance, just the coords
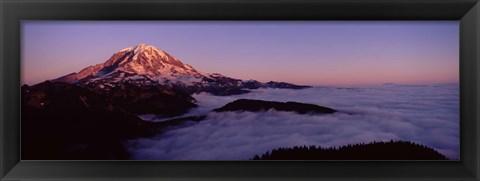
(12, 12)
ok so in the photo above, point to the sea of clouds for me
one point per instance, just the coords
(425, 114)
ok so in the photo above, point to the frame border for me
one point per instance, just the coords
(13, 11)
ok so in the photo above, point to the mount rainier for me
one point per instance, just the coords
(146, 65)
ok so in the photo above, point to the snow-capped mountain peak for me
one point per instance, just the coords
(149, 60)
(140, 48)
(147, 65)
(144, 60)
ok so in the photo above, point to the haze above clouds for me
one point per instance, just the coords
(425, 114)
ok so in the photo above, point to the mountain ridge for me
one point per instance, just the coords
(157, 67)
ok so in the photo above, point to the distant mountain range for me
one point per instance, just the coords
(145, 65)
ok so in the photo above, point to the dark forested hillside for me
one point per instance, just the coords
(392, 150)
(260, 105)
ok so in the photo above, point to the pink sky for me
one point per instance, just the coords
(308, 52)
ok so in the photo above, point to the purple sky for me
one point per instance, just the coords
(309, 52)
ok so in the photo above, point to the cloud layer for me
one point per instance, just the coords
(426, 114)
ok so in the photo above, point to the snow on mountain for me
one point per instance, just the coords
(144, 60)
(147, 65)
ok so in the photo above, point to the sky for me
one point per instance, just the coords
(301, 52)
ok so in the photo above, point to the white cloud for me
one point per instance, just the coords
(423, 114)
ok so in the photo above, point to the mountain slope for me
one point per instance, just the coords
(65, 121)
